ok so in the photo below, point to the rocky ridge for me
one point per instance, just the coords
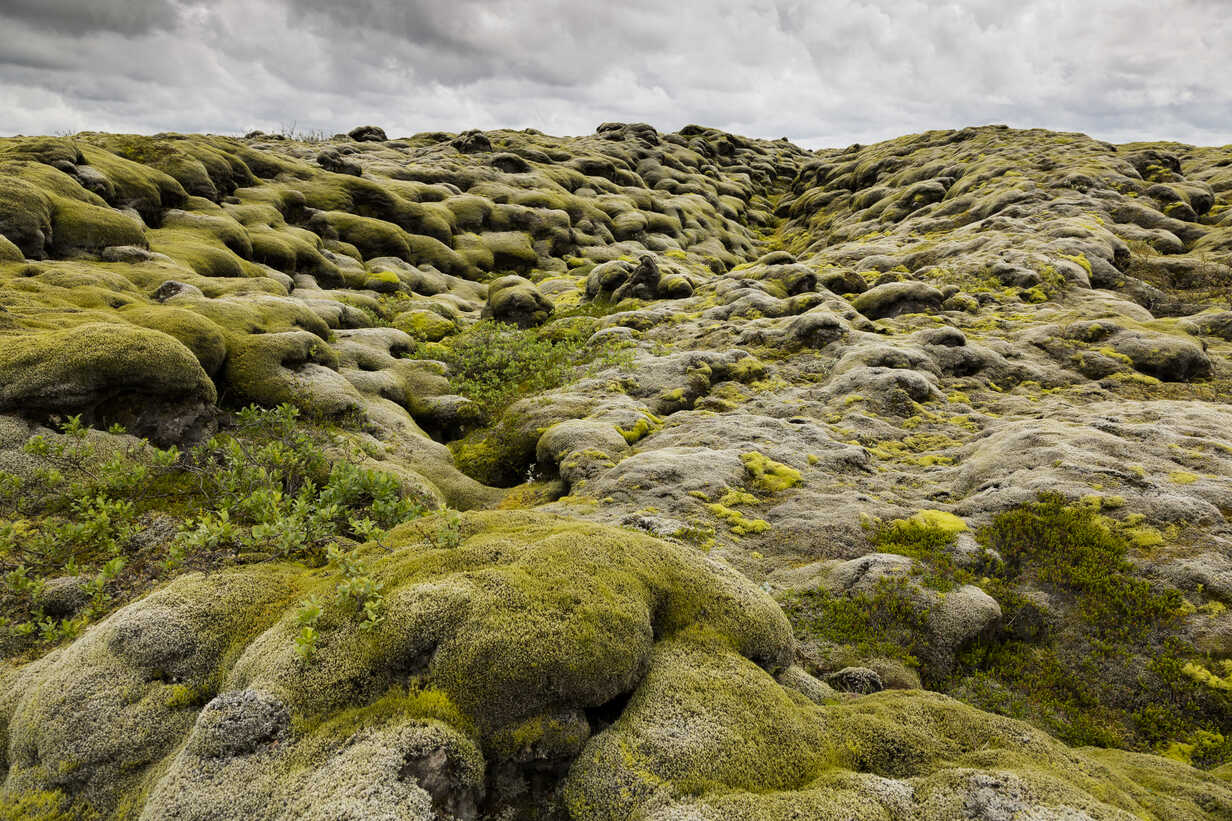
(804, 433)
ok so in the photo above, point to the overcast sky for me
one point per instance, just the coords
(821, 72)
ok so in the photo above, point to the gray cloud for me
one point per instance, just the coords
(822, 72)
(79, 17)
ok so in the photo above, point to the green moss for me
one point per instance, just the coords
(424, 325)
(767, 474)
(166, 156)
(698, 689)
(8, 251)
(641, 428)
(1143, 536)
(385, 282)
(500, 456)
(737, 522)
(25, 215)
(854, 629)
(567, 615)
(511, 250)
(201, 336)
(79, 367)
(199, 252)
(928, 536)
(137, 186)
(1204, 676)
(738, 497)
(49, 150)
(40, 805)
(110, 702)
(293, 367)
(291, 250)
(256, 315)
(81, 226)
(940, 520)
(373, 237)
(1081, 259)
(396, 705)
(549, 736)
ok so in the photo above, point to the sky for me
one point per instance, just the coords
(823, 73)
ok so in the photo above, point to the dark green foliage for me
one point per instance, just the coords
(1106, 667)
(1071, 548)
(493, 363)
(1098, 661)
(115, 517)
(269, 487)
(885, 623)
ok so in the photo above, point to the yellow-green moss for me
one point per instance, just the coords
(1202, 675)
(699, 690)
(40, 805)
(739, 524)
(566, 616)
(81, 226)
(202, 254)
(643, 426)
(290, 367)
(425, 325)
(738, 497)
(200, 335)
(939, 520)
(386, 282)
(767, 474)
(8, 251)
(66, 370)
(399, 703)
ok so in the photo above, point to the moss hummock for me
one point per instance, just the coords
(80, 367)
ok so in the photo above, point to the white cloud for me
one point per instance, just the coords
(828, 72)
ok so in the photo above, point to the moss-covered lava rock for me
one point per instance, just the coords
(955, 402)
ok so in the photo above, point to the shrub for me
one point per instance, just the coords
(493, 363)
(264, 487)
(1074, 549)
(885, 623)
(1106, 667)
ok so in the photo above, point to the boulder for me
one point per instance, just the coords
(1163, 356)
(895, 298)
(516, 300)
(859, 680)
(331, 160)
(643, 281)
(368, 134)
(471, 142)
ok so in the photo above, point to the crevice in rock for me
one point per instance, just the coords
(606, 714)
(441, 778)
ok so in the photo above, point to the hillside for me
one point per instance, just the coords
(634, 475)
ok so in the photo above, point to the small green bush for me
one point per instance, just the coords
(1072, 548)
(884, 623)
(1109, 667)
(493, 364)
(262, 488)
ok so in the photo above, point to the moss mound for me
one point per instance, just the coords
(83, 367)
(513, 652)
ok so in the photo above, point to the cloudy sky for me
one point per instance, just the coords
(821, 72)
